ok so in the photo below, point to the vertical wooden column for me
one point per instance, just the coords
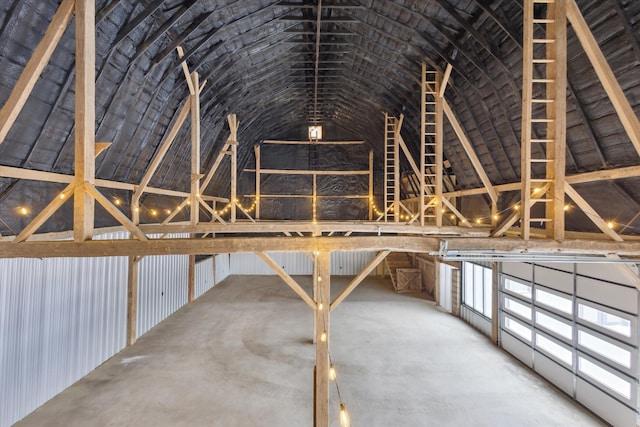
(323, 299)
(132, 300)
(233, 142)
(85, 116)
(195, 149)
(423, 140)
(371, 185)
(314, 199)
(439, 150)
(557, 111)
(256, 149)
(191, 281)
(527, 95)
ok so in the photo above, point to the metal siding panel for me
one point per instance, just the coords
(474, 319)
(59, 319)
(349, 263)
(204, 279)
(222, 267)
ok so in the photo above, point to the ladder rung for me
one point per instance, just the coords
(543, 200)
(545, 41)
(542, 140)
(542, 80)
(542, 120)
(542, 101)
(543, 21)
(544, 180)
(541, 161)
(540, 220)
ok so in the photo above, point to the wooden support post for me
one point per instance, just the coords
(314, 199)
(39, 59)
(439, 151)
(233, 140)
(132, 300)
(371, 185)
(85, 117)
(191, 281)
(321, 395)
(256, 149)
(195, 149)
(527, 95)
(557, 111)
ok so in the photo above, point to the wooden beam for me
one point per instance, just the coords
(114, 211)
(307, 172)
(287, 279)
(396, 169)
(233, 141)
(283, 142)
(527, 108)
(39, 59)
(162, 150)
(256, 150)
(605, 74)
(46, 213)
(224, 245)
(439, 152)
(359, 278)
(468, 148)
(187, 73)
(456, 212)
(408, 155)
(85, 118)
(214, 167)
(132, 300)
(371, 198)
(322, 336)
(195, 149)
(591, 213)
(445, 80)
(517, 214)
(100, 147)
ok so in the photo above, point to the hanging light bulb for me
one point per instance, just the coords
(320, 306)
(117, 202)
(567, 207)
(23, 211)
(332, 373)
(344, 416)
(323, 337)
(610, 224)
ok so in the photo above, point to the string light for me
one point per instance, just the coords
(117, 202)
(167, 211)
(320, 306)
(344, 416)
(479, 221)
(611, 224)
(323, 337)
(496, 216)
(153, 212)
(23, 211)
(567, 207)
(332, 373)
(62, 195)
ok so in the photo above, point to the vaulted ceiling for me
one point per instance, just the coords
(259, 60)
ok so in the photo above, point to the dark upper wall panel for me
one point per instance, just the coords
(258, 58)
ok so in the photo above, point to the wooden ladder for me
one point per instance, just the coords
(391, 170)
(430, 145)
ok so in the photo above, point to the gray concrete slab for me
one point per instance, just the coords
(241, 355)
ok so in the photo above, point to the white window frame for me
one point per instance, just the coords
(632, 340)
(477, 307)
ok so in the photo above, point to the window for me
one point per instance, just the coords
(605, 320)
(517, 288)
(478, 292)
(554, 325)
(517, 308)
(554, 349)
(554, 301)
(517, 328)
(604, 377)
(605, 349)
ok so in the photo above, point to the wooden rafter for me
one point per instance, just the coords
(591, 213)
(27, 80)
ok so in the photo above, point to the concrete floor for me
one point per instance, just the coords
(241, 356)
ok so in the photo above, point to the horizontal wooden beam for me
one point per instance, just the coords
(307, 172)
(283, 142)
(319, 227)
(33, 175)
(219, 245)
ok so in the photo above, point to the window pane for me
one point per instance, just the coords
(605, 348)
(468, 284)
(554, 325)
(488, 294)
(517, 328)
(517, 288)
(554, 349)
(604, 319)
(478, 300)
(517, 308)
(604, 377)
(554, 301)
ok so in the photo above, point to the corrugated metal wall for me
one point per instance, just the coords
(298, 263)
(222, 267)
(59, 319)
(204, 279)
